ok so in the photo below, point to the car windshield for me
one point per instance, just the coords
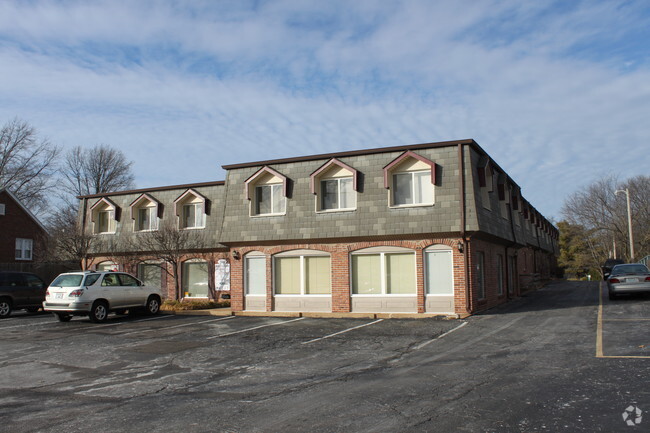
(67, 281)
(629, 269)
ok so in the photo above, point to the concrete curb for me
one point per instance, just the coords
(315, 315)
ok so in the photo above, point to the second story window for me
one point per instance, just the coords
(410, 179)
(412, 188)
(105, 221)
(192, 216)
(146, 219)
(337, 194)
(192, 209)
(269, 200)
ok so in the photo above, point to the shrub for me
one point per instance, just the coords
(171, 305)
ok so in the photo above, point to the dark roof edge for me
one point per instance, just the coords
(158, 188)
(351, 153)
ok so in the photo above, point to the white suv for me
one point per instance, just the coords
(95, 294)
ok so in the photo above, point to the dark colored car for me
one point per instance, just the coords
(20, 290)
(609, 264)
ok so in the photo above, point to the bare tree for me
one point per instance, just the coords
(603, 216)
(170, 245)
(68, 239)
(27, 163)
(96, 170)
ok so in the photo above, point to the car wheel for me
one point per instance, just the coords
(32, 309)
(153, 305)
(5, 308)
(63, 317)
(98, 312)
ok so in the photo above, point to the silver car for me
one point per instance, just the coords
(628, 278)
(95, 294)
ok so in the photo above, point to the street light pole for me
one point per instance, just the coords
(629, 220)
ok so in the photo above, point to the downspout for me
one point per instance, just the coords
(463, 204)
(83, 230)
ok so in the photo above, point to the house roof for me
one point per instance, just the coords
(157, 188)
(22, 206)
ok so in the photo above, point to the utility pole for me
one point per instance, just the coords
(629, 220)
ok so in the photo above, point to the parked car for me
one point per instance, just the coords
(608, 265)
(20, 290)
(628, 278)
(96, 294)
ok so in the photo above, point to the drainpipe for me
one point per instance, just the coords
(461, 163)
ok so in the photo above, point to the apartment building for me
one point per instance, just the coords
(434, 228)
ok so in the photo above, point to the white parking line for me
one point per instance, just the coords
(49, 322)
(255, 327)
(342, 332)
(136, 321)
(177, 326)
(426, 343)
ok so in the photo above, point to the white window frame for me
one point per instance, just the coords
(433, 250)
(111, 224)
(22, 247)
(199, 216)
(183, 270)
(320, 197)
(153, 219)
(303, 276)
(276, 188)
(382, 252)
(413, 173)
(247, 258)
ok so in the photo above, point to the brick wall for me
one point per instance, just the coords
(16, 223)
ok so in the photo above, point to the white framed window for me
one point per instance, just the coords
(255, 274)
(105, 221)
(439, 270)
(192, 216)
(302, 273)
(412, 188)
(150, 274)
(480, 274)
(195, 279)
(2, 209)
(147, 219)
(270, 200)
(337, 194)
(107, 266)
(389, 272)
(24, 249)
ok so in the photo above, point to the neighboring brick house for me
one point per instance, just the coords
(434, 228)
(21, 233)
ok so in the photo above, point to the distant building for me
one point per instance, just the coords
(21, 233)
(435, 228)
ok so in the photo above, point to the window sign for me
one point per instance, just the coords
(222, 275)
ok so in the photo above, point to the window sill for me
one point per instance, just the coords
(23, 260)
(265, 215)
(287, 295)
(326, 211)
(409, 295)
(407, 206)
(190, 228)
(438, 294)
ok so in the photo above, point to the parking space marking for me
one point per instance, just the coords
(177, 326)
(253, 328)
(599, 331)
(27, 324)
(426, 343)
(136, 321)
(342, 332)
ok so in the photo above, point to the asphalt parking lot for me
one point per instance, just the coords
(531, 366)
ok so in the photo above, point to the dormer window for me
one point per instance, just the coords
(145, 211)
(104, 215)
(410, 180)
(267, 191)
(335, 185)
(191, 209)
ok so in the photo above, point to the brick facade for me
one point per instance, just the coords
(17, 223)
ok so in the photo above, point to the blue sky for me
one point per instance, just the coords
(558, 93)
